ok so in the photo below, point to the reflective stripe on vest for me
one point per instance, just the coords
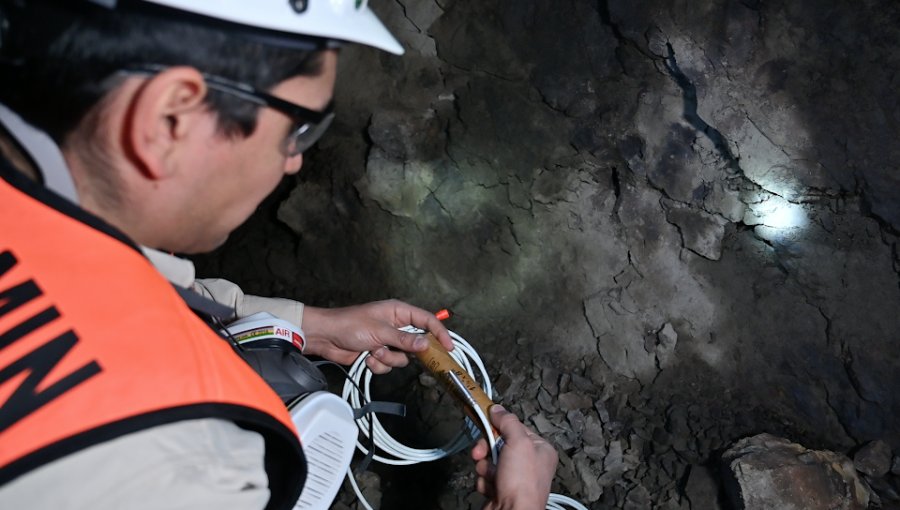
(95, 343)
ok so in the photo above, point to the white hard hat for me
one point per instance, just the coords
(338, 20)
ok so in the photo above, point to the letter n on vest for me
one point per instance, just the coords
(32, 392)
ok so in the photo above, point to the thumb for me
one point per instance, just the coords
(410, 342)
(506, 422)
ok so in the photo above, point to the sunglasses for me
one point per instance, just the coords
(309, 125)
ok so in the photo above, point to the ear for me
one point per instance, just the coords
(162, 113)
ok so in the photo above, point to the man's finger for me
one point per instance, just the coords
(391, 358)
(480, 450)
(485, 468)
(409, 342)
(376, 366)
(481, 485)
(484, 487)
(509, 426)
(423, 319)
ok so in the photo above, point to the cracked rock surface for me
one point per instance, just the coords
(666, 225)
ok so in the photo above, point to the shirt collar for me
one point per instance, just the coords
(178, 271)
(43, 151)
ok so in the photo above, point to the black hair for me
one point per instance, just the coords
(62, 57)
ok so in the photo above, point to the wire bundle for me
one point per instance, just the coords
(357, 392)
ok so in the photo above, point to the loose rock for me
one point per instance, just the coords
(572, 400)
(638, 499)
(542, 424)
(550, 379)
(589, 478)
(702, 490)
(370, 486)
(546, 401)
(666, 339)
(593, 432)
(873, 459)
(576, 421)
(770, 473)
(613, 464)
(427, 380)
(596, 453)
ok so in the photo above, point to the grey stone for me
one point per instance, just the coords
(771, 473)
(702, 490)
(624, 353)
(678, 426)
(602, 412)
(567, 475)
(583, 384)
(502, 384)
(475, 501)
(596, 453)
(427, 380)
(565, 440)
(873, 459)
(572, 400)
(542, 424)
(614, 460)
(888, 493)
(370, 487)
(701, 232)
(576, 421)
(449, 500)
(399, 135)
(564, 381)
(433, 395)
(547, 402)
(530, 389)
(665, 348)
(528, 409)
(613, 464)
(667, 337)
(592, 489)
(638, 498)
(593, 432)
(632, 456)
(550, 380)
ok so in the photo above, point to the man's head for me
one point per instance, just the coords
(174, 124)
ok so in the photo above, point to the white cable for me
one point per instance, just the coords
(560, 502)
(399, 454)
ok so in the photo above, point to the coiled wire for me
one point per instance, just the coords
(398, 454)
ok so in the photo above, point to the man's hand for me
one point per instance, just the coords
(341, 334)
(522, 477)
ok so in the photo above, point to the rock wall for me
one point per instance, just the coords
(692, 207)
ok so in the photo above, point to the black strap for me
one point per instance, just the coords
(205, 306)
(394, 408)
(375, 407)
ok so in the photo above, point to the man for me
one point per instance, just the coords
(135, 128)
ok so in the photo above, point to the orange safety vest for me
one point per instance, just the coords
(95, 344)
